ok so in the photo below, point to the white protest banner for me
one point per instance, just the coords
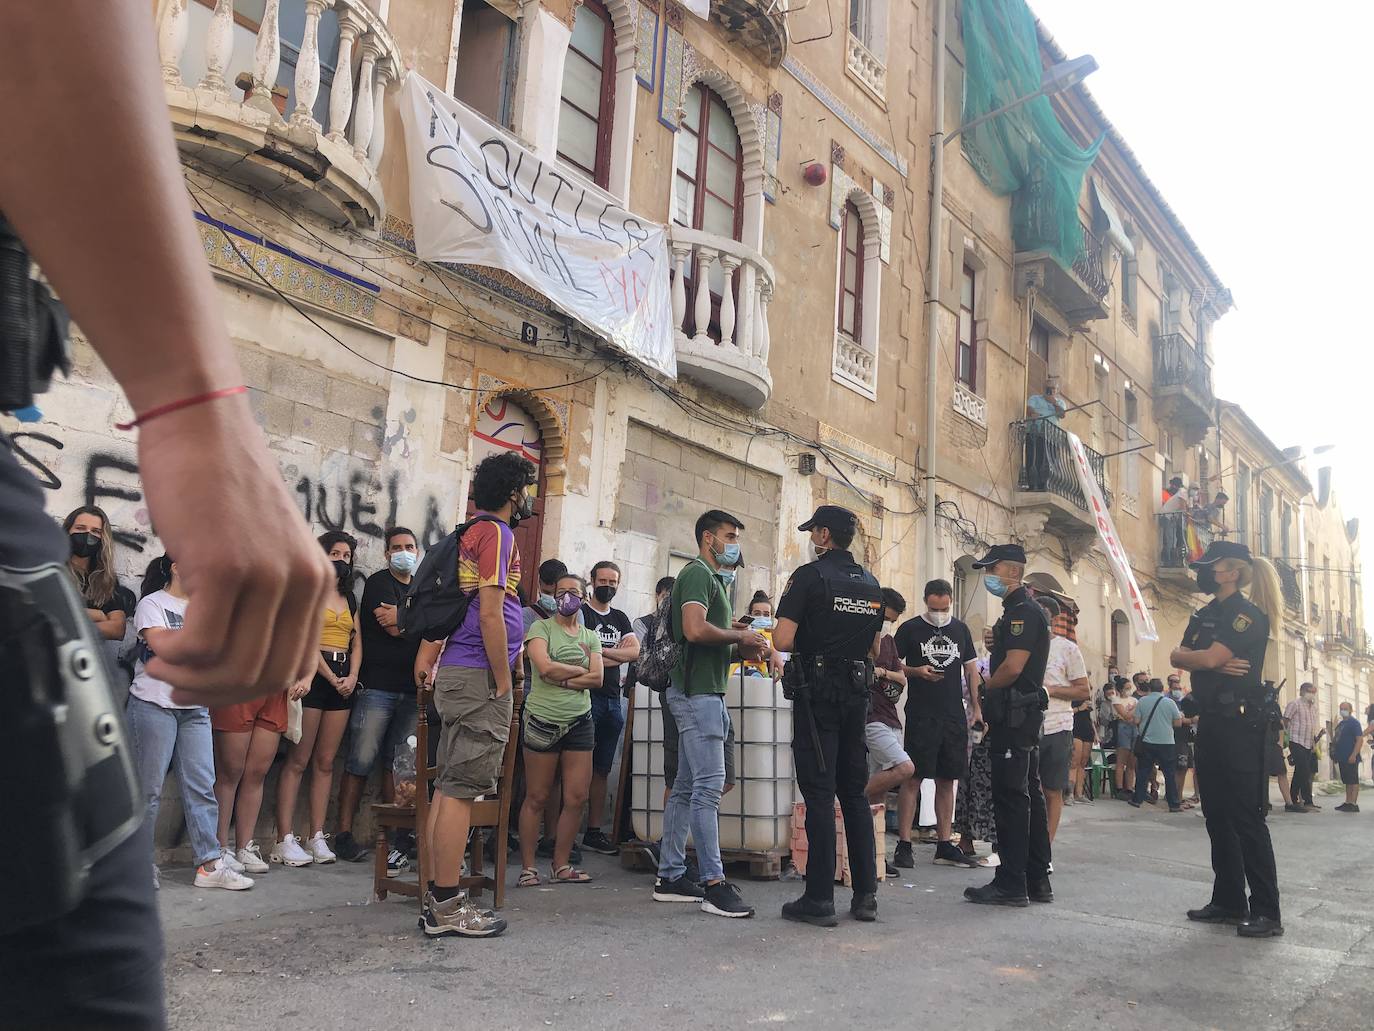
(478, 197)
(1142, 623)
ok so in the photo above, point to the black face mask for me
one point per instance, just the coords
(1207, 581)
(85, 545)
(524, 509)
(604, 593)
(343, 571)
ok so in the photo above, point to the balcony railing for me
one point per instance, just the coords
(1292, 587)
(1179, 364)
(856, 365)
(1173, 540)
(1089, 267)
(721, 291)
(865, 66)
(759, 25)
(284, 136)
(1047, 465)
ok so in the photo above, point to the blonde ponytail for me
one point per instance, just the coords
(1266, 594)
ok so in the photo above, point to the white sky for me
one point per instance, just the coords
(1253, 120)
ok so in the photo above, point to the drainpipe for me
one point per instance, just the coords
(933, 263)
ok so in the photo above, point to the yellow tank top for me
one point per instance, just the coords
(337, 630)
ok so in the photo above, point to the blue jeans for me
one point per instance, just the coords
(163, 737)
(1166, 757)
(608, 716)
(702, 722)
(380, 721)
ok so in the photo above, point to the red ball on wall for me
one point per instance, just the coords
(814, 174)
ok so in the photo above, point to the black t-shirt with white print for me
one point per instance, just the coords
(945, 649)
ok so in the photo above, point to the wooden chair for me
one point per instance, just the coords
(488, 812)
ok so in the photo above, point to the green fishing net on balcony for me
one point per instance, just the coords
(1025, 152)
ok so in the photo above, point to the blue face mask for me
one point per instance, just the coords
(404, 562)
(995, 586)
(727, 576)
(762, 623)
(728, 555)
(547, 602)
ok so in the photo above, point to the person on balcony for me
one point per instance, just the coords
(1045, 407)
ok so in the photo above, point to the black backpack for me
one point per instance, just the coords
(659, 654)
(433, 606)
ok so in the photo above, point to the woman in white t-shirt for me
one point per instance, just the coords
(163, 732)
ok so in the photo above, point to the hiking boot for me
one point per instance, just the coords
(1260, 927)
(1214, 914)
(993, 894)
(902, 856)
(864, 907)
(807, 910)
(459, 916)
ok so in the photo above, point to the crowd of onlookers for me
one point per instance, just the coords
(572, 655)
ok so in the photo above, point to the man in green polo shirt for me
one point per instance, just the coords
(696, 698)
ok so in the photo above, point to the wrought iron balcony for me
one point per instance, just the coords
(1173, 545)
(1048, 479)
(1079, 291)
(1183, 387)
(1292, 587)
(759, 25)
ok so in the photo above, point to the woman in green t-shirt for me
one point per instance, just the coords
(565, 662)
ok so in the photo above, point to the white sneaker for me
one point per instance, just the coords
(319, 851)
(250, 859)
(222, 876)
(288, 852)
(396, 863)
(227, 858)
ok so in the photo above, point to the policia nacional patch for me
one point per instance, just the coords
(1017, 626)
(1241, 623)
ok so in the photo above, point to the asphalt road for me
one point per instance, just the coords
(307, 948)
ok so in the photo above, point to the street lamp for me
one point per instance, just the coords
(1053, 80)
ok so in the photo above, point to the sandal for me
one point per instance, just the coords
(569, 874)
(529, 878)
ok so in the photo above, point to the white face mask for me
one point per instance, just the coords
(939, 619)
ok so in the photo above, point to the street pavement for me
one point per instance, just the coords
(310, 948)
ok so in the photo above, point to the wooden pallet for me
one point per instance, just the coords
(764, 865)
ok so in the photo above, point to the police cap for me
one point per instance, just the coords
(1001, 553)
(1218, 550)
(831, 517)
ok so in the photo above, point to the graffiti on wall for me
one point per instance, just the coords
(339, 496)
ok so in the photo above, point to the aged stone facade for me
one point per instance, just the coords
(380, 379)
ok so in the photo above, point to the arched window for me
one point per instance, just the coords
(851, 301)
(708, 185)
(587, 105)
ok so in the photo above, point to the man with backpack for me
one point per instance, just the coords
(699, 638)
(466, 608)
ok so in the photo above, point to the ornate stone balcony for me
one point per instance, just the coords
(759, 25)
(722, 329)
(235, 108)
(865, 66)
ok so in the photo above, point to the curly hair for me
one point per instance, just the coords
(497, 477)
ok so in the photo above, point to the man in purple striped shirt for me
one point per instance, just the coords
(1300, 718)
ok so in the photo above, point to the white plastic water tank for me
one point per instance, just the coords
(757, 814)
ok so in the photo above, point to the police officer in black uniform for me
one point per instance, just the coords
(1014, 701)
(1223, 648)
(830, 618)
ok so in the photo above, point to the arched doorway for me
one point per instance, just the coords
(1121, 642)
(503, 425)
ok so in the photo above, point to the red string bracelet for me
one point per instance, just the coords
(185, 402)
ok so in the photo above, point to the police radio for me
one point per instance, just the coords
(71, 792)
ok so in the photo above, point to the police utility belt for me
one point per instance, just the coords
(1012, 708)
(826, 679)
(1256, 703)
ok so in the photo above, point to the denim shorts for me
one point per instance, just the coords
(380, 721)
(608, 715)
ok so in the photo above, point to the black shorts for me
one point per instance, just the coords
(323, 694)
(1274, 766)
(1350, 773)
(1083, 726)
(545, 736)
(938, 747)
